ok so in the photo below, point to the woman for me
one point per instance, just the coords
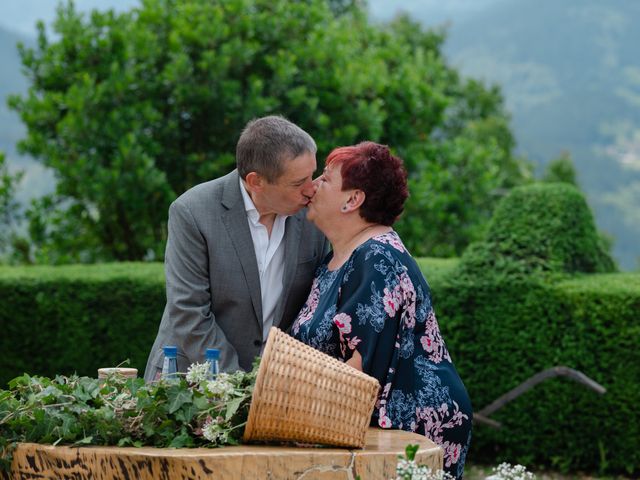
(370, 305)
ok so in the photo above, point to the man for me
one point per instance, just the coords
(240, 255)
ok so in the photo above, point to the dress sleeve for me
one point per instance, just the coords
(366, 311)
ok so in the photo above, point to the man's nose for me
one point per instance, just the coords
(310, 189)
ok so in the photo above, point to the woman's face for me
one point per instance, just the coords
(329, 198)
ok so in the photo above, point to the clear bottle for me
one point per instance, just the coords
(170, 365)
(212, 355)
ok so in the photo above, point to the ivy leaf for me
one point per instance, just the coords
(182, 440)
(201, 402)
(232, 408)
(177, 398)
(186, 413)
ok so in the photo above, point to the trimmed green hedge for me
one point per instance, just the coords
(520, 302)
(500, 333)
(78, 318)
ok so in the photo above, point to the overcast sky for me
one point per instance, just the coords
(21, 15)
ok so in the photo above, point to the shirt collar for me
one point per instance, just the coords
(249, 206)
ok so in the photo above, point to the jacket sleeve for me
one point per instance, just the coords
(188, 291)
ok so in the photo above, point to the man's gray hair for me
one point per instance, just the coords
(267, 142)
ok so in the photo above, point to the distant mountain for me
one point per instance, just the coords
(570, 72)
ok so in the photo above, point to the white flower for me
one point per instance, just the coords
(409, 470)
(505, 471)
(198, 372)
(220, 386)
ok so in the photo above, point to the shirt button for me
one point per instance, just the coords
(257, 343)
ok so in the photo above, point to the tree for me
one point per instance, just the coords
(132, 109)
(9, 207)
(561, 169)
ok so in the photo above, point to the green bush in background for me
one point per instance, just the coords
(519, 303)
(57, 320)
(543, 228)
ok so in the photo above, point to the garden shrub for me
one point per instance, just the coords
(60, 320)
(520, 302)
(542, 228)
(500, 333)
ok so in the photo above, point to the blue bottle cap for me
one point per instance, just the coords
(170, 351)
(212, 354)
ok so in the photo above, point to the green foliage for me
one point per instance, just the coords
(519, 303)
(561, 169)
(132, 109)
(124, 412)
(540, 228)
(9, 208)
(501, 331)
(78, 318)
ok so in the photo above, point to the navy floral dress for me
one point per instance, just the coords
(379, 303)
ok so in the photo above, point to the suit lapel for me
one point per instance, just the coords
(291, 245)
(235, 220)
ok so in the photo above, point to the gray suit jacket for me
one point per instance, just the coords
(212, 280)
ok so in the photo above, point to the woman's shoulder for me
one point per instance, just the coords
(386, 248)
(392, 242)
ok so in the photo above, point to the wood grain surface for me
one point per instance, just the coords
(377, 460)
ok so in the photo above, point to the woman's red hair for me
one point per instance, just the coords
(371, 167)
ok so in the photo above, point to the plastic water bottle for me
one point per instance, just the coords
(170, 365)
(212, 355)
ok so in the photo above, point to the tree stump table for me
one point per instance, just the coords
(377, 460)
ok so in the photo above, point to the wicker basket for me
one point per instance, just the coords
(304, 395)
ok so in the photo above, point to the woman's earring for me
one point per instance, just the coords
(344, 208)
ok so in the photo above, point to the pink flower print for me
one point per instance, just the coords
(352, 343)
(343, 322)
(309, 307)
(386, 390)
(392, 239)
(451, 453)
(392, 300)
(383, 420)
(432, 341)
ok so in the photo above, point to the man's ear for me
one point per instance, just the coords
(254, 181)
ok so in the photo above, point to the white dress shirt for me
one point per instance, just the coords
(270, 257)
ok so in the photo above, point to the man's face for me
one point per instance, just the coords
(293, 189)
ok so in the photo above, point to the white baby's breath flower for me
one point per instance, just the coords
(220, 386)
(210, 430)
(409, 470)
(198, 372)
(505, 471)
(214, 430)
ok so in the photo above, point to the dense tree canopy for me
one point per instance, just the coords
(132, 109)
(9, 208)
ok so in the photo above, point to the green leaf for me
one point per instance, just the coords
(177, 398)
(411, 451)
(84, 441)
(232, 408)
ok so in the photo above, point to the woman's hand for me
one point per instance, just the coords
(355, 361)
